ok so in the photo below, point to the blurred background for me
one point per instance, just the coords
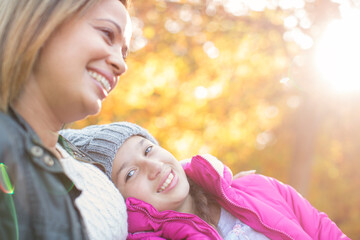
(271, 85)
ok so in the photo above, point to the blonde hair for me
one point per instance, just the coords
(24, 28)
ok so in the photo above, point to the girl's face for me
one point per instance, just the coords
(150, 173)
(80, 63)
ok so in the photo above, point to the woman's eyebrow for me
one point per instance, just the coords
(117, 26)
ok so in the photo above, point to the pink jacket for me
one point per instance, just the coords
(263, 203)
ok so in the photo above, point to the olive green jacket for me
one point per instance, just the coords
(36, 197)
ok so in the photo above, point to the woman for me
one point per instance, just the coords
(59, 60)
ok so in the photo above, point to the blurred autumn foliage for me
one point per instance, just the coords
(236, 79)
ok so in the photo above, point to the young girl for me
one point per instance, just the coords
(198, 198)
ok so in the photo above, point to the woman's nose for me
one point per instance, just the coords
(117, 62)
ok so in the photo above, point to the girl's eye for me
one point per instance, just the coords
(129, 175)
(147, 150)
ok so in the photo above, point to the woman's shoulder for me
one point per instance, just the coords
(5, 122)
(10, 131)
(11, 125)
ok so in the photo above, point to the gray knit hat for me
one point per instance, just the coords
(101, 142)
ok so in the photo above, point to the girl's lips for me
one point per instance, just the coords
(168, 183)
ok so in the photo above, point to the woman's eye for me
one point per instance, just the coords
(109, 34)
(125, 52)
(147, 150)
(129, 175)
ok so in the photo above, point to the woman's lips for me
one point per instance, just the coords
(101, 79)
(107, 81)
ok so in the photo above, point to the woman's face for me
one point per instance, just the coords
(150, 173)
(81, 62)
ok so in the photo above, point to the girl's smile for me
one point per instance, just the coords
(148, 172)
(169, 183)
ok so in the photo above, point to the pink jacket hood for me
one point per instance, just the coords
(263, 203)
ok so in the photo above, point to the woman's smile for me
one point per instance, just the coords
(105, 83)
(88, 73)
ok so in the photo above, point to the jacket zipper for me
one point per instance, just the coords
(174, 219)
(236, 205)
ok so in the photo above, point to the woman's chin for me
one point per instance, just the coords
(89, 108)
(94, 108)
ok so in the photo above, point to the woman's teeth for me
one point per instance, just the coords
(166, 183)
(102, 80)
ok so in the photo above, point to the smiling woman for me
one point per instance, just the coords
(338, 54)
(58, 61)
(85, 74)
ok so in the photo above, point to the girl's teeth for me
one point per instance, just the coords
(167, 182)
(101, 80)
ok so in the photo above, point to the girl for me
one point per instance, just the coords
(197, 199)
(58, 60)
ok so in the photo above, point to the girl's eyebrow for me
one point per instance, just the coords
(119, 171)
(123, 166)
(141, 142)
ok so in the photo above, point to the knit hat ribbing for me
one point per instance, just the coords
(102, 142)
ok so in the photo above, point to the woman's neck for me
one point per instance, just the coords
(32, 107)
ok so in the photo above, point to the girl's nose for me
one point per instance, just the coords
(154, 168)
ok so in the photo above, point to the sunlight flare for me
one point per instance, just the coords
(338, 55)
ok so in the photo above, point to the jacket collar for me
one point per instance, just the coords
(68, 146)
(24, 125)
(144, 218)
